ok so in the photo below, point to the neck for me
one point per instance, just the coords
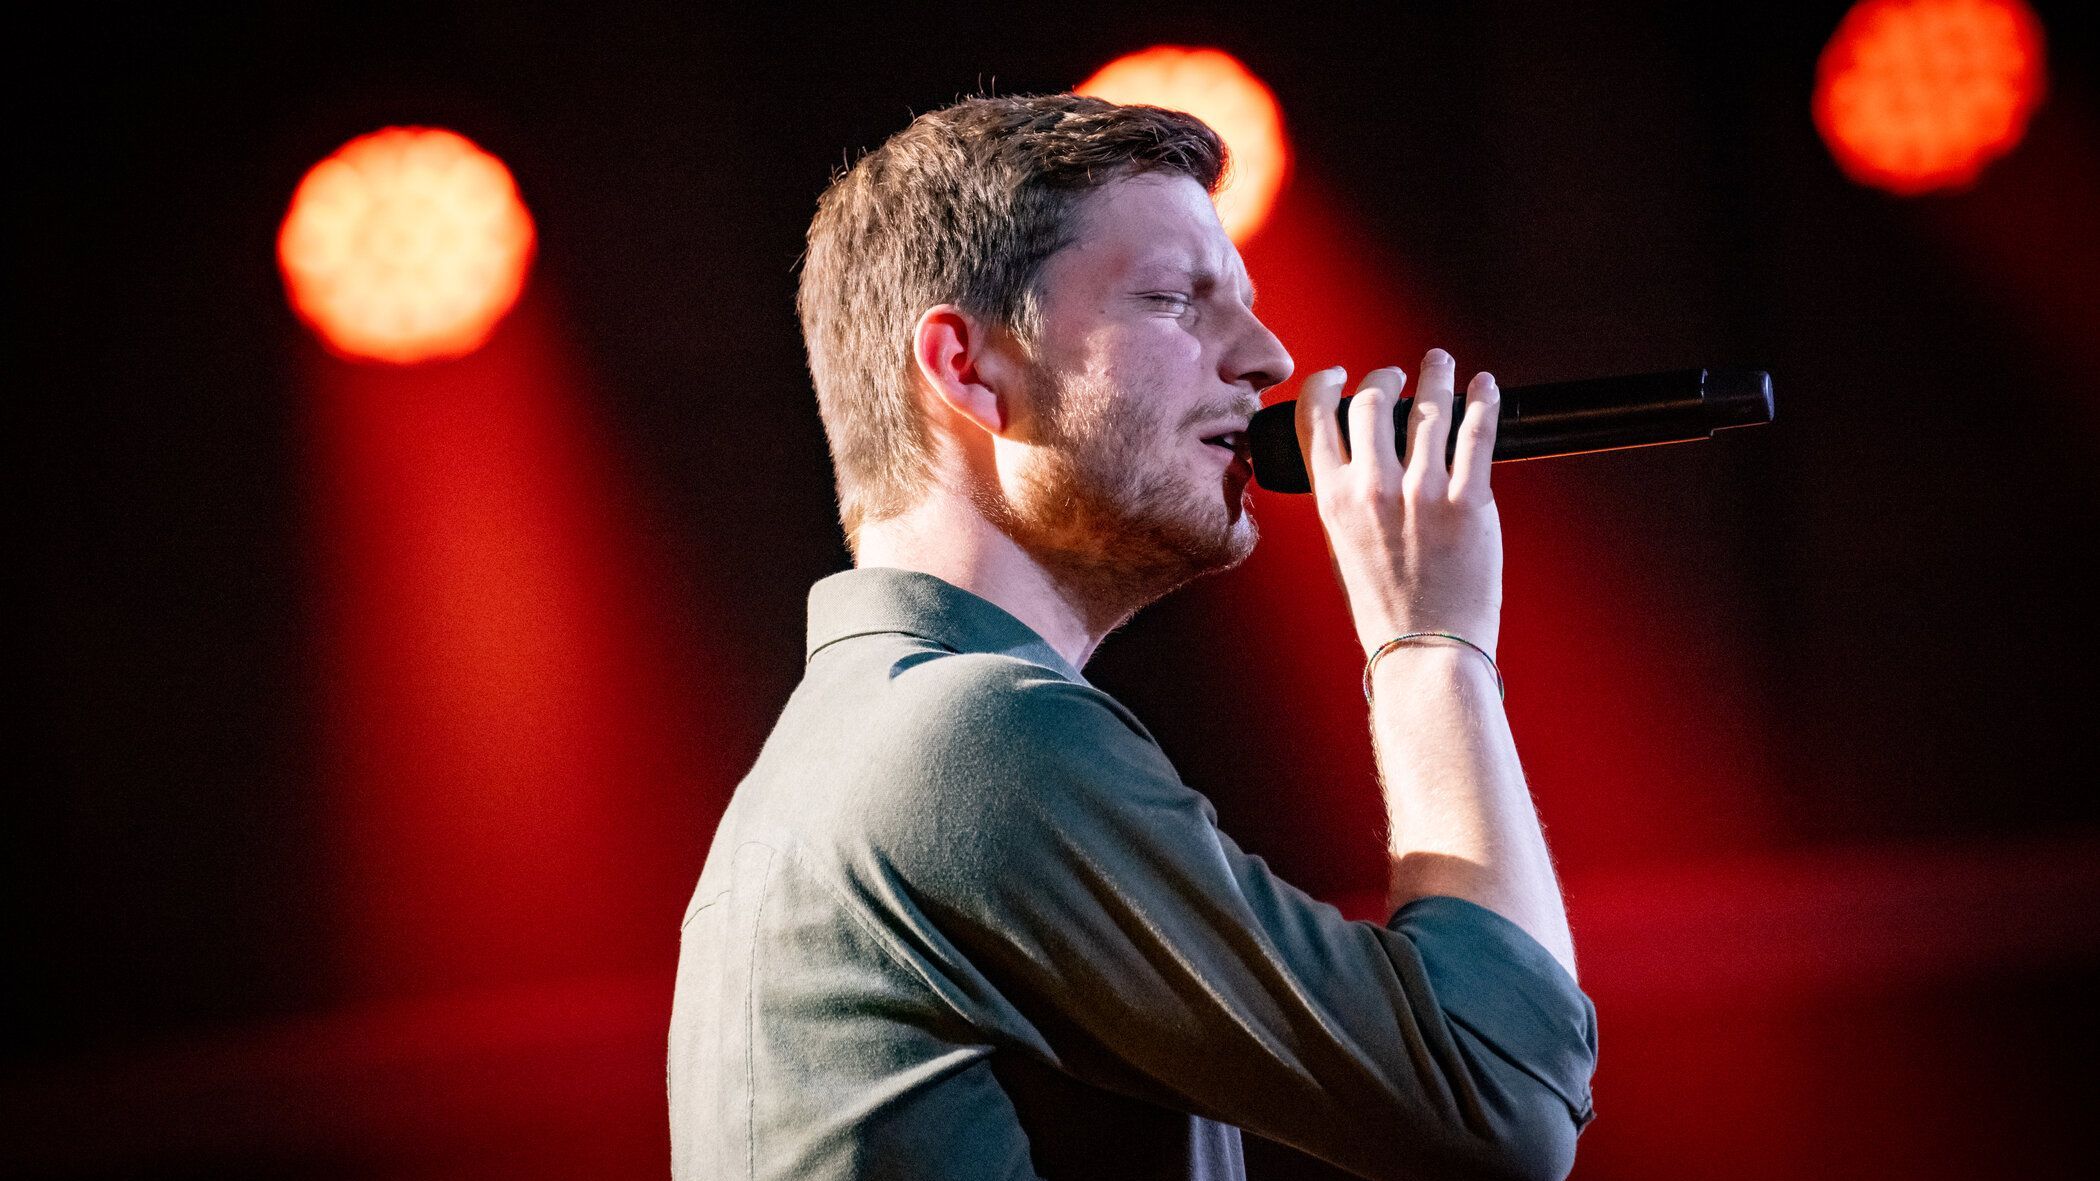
(947, 537)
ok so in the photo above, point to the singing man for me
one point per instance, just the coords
(963, 919)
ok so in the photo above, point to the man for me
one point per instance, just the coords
(962, 919)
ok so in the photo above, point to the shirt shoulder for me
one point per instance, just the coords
(943, 757)
(958, 699)
(980, 723)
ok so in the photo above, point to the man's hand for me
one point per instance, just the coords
(1417, 547)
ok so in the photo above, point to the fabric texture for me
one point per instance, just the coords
(964, 920)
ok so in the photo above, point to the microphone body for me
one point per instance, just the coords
(1559, 418)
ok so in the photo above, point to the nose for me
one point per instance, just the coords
(1257, 357)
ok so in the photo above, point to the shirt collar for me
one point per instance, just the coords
(870, 600)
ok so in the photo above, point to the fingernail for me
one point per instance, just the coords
(1436, 357)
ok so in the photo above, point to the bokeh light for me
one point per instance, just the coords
(1213, 86)
(408, 244)
(1914, 95)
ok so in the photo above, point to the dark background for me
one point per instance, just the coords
(1849, 934)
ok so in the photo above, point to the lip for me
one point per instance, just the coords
(1236, 427)
(1238, 458)
(1238, 464)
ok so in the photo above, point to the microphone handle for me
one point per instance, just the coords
(1559, 418)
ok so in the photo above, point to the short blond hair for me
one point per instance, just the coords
(963, 206)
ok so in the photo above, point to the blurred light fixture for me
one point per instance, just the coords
(1915, 95)
(1213, 86)
(408, 244)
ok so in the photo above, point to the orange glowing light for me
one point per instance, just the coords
(408, 244)
(1913, 95)
(1216, 88)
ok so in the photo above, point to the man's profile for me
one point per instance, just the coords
(963, 919)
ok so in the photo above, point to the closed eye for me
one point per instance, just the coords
(1171, 298)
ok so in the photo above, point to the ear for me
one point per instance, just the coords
(954, 353)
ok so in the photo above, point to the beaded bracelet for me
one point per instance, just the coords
(1396, 641)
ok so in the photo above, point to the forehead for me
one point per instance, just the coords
(1148, 228)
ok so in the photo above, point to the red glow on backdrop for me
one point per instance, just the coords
(505, 678)
(406, 245)
(1914, 95)
(1213, 86)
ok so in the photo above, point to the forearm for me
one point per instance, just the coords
(1462, 819)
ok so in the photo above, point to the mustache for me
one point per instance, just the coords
(1240, 406)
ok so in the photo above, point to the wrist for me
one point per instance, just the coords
(1452, 644)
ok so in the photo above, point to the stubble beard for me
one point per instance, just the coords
(1119, 525)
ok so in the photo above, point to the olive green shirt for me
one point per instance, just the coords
(963, 920)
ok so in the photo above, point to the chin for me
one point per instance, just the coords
(1242, 540)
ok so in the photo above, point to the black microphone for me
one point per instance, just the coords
(1560, 418)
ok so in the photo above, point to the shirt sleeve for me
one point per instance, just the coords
(1036, 858)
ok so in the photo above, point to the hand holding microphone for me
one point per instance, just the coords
(1417, 544)
(1402, 483)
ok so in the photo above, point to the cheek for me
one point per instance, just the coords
(1143, 352)
(1174, 348)
(1131, 390)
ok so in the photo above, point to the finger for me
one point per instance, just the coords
(1371, 431)
(1429, 423)
(1319, 435)
(1476, 439)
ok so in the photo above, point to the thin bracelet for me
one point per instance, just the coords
(1396, 641)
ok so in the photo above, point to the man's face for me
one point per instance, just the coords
(1148, 347)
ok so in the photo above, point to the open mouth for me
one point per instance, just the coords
(1233, 443)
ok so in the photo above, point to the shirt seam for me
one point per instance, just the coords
(758, 916)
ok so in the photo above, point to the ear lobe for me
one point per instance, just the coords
(948, 346)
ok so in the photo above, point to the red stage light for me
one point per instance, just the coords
(406, 245)
(1913, 95)
(1216, 88)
